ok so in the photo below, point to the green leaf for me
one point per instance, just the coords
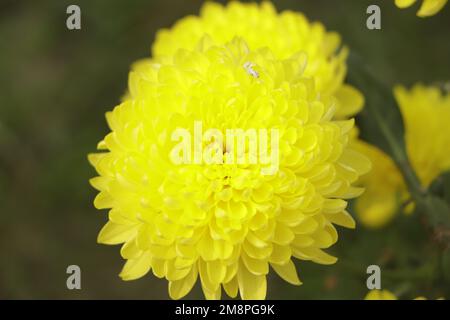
(380, 122)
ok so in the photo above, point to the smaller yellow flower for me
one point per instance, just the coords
(385, 188)
(428, 8)
(425, 112)
(380, 295)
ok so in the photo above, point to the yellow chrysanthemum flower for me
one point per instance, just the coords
(428, 7)
(380, 295)
(285, 33)
(425, 112)
(224, 223)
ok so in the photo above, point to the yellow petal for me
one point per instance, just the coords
(207, 284)
(103, 200)
(343, 219)
(216, 271)
(334, 205)
(376, 210)
(113, 233)
(100, 183)
(325, 238)
(130, 250)
(231, 287)
(287, 272)
(355, 161)
(314, 254)
(251, 286)
(431, 7)
(255, 266)
(280, 254)
(180, 288)
(282, 235)
(350, 101)
(175, 274)
(404, 3)
(255, 252)
(158, 267)
(212, 295)
(306, 226)
(136, 268)
(94, 158)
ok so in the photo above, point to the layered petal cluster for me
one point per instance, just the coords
(285, 33)
(428, 7)
(425, 112)
(224, 224)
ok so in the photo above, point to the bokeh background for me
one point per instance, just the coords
(55, 87)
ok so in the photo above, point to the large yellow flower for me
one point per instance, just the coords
(428, 7)
(285, 33)
(425, 111)
(224, 223)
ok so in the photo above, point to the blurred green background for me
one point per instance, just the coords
(55, 87)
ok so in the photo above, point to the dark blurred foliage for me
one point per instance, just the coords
(56, 85)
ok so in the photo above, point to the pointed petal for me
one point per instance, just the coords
(231, 287)
(287, 272)
(251, 287)
(180, 288)
(136, 268)
(113, 233)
